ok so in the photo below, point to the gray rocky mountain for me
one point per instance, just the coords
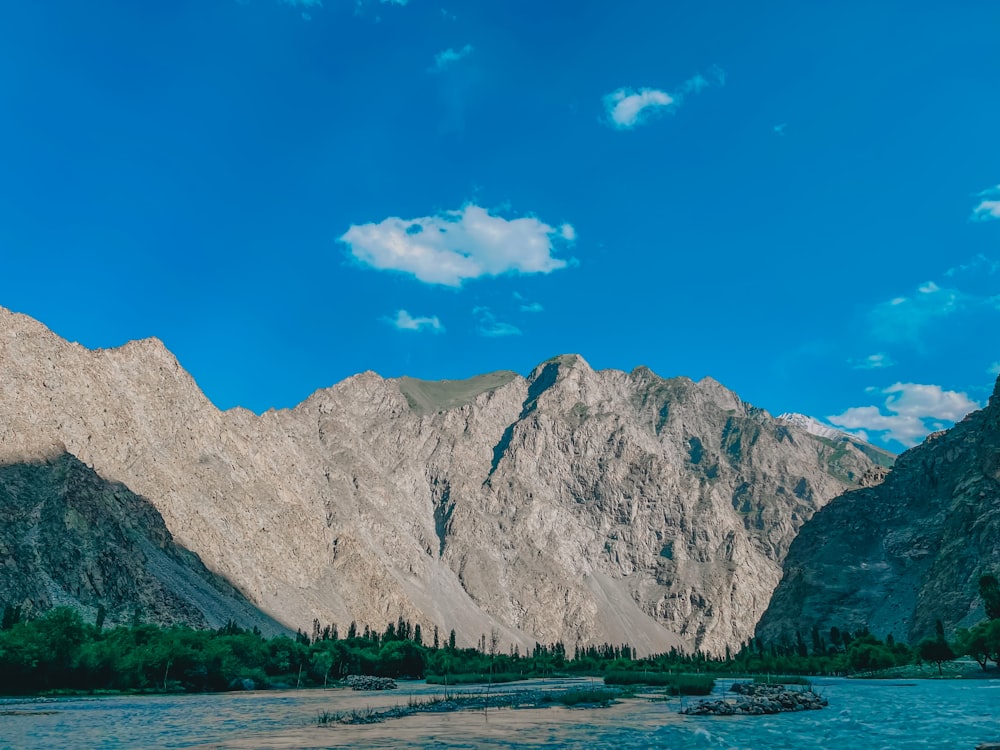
(70, 538)
(901, 555)
(574, 505)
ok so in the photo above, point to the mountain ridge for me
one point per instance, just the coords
(573, 504)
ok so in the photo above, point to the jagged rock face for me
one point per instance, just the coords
(70, 538)
(573, 505)
(900, 556)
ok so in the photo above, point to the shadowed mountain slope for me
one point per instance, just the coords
(899, 556)
(70, 538)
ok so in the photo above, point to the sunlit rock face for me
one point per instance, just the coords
(575, 505)
(899, 556)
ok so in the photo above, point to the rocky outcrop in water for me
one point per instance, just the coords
(900, 556)
(575, 505)
(756, 699)
(70, 538)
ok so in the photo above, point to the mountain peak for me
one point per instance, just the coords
(814, 426)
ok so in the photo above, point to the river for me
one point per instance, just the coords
(883, 715)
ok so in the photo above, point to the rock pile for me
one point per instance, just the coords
(757, 699)
(367, 682)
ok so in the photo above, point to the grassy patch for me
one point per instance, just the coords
(676, 684)
(592, 697)
(357, 716)
(474, 678)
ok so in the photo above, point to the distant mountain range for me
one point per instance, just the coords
(879, 456)
(575, 505)
(814, 426)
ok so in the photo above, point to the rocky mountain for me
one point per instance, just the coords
(838, 437)
(574, 505)
(70, 538)
(813, 426)
(899, 556)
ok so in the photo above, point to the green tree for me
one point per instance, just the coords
(936, 649)
(989, 590)
(982, 642)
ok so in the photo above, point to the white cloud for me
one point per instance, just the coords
(447, 58)
(406, 322)
(987, 210)
(979, 265)
(994, 369)
(779, 129)
(488, 325)
(457, 245)
(905, 318)
(396, 2)
(912, 412)
(304, 3)
(532, 307)
(873, 362)
(628, 107)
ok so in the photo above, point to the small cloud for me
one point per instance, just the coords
(628, 107)
(447, 58)
(488, 325)
(873, 362)
(458, 245)
(532, 307)
(396, 2)
(913, 411)
(303, 3)
(779, 129)
(979, 265)
(905, 318)
(448, 15)
(986, 211)
(994, 369)
(406, 322)
(695, 84)
(988, 208)
(567, 232)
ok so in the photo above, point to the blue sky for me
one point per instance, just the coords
(802, 202)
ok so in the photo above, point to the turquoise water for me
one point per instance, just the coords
(862, 714)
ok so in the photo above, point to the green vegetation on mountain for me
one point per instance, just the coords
(430, 396)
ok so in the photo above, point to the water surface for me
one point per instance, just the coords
(862, 714)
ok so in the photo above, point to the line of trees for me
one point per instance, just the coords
(60, 651)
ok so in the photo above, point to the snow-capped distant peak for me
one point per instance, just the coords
(814, 426)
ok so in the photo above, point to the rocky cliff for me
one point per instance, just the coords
(899, 556)
(573, 504)
(70, 538)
